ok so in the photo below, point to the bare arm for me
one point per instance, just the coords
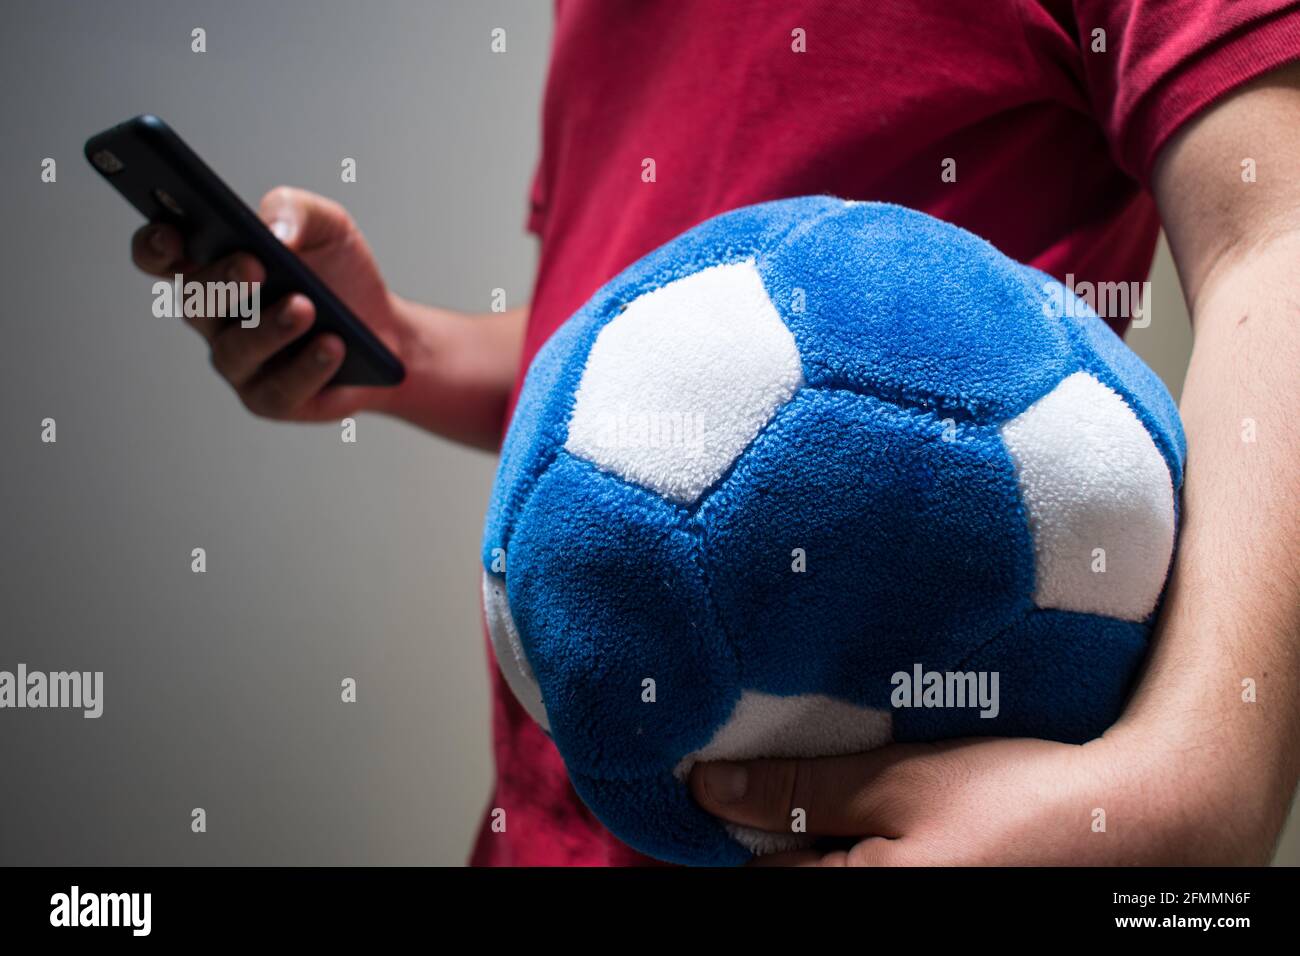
(460, 372)
(1233, 611)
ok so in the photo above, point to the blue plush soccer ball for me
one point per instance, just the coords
(815, 476)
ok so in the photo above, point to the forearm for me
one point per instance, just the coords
(461, 370)
(1232, 613)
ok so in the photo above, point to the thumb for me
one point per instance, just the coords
(834, 796)
(301, 219)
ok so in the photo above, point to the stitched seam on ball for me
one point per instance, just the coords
(954, 404)
(695, 527)
(1018, 621)
(691, 509)
(1022, 507)
(957, 407)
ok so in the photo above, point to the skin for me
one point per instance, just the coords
(1191, 774)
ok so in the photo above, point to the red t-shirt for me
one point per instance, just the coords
(1053, 126)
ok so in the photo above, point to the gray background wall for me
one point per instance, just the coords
(325, 560)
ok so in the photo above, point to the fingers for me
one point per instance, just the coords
(876, 851)
(251, 357)
(282, 390)
(239, 353)
(237, 268)
(302, 219)
(158, 249)
(871, 794)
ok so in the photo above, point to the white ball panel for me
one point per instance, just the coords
(806, 725)
(680, 382)
(1092, 478)
(510, 651)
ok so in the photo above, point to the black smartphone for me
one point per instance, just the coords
(145, 161)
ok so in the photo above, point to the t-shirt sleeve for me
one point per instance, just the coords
(1164, 61)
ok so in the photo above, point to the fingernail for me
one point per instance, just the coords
(158, 240)
(285, 319)
(726, 782)
(323, 355)
(282, 229)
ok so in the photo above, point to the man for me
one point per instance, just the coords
(1063, 132)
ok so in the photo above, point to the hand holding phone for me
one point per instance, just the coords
(281, 368)
(309, 335)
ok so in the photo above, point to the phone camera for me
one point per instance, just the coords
(107, 162)
(169, 203)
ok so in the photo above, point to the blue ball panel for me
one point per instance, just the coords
(1062, 676)
(917, 548)
(916, 311)
(605, 584)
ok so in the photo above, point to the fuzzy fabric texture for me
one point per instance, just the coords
(804, 448)
(680, 383)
